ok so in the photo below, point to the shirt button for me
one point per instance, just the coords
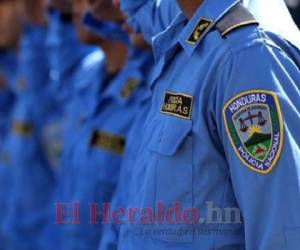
(159, 138)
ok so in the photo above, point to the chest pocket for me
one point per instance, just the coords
(171, 146)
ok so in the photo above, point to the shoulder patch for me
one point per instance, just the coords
(177, 104)
(238, 16)
(201, 28)
(253, 122)
(108, 142)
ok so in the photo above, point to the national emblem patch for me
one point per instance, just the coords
(254, 126)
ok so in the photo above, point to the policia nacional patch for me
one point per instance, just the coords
(254, 126)
(177, 104)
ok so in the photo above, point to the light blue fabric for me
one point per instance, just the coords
(7, 77)
(30, 170)
(74, 70)
(110, 235)
(7, 99)
(191, 160)
(96, 168)
(65, 53)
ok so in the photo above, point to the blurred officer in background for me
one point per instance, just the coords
(66, 55)
(98, 152)
(33, 179)
(74, 68)
(10, 30)
(294, 7)
(199, 145)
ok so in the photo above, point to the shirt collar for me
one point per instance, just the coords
(181, 29)
(167, 39)
(204, 19)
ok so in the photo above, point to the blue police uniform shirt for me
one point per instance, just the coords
(110, 234)
(8, 61)
(7, 76)
(88, 79)
(62, 43)
(87, 82)
(98, 153)
(72, 80)
(65, 53)
(150, 17)
(30, 170)
(221, 135)
(74, 71)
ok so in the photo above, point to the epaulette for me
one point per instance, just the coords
(238, 16)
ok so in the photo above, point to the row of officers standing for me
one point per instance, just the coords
(114, 113)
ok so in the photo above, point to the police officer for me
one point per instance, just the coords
(110, 234)
(220, 146)
(8, 45)
(98, 152)
(74, 69)
(10, 29)
(30, 170)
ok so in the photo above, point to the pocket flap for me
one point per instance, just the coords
(292, 238)
(167, 135)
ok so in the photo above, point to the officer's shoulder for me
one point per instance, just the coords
(238, 30)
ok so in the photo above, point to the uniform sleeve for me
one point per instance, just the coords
(110, 235)
(258, 114)
(150, 17)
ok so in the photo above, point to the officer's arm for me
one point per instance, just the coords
(258, 114)
(150, 17)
